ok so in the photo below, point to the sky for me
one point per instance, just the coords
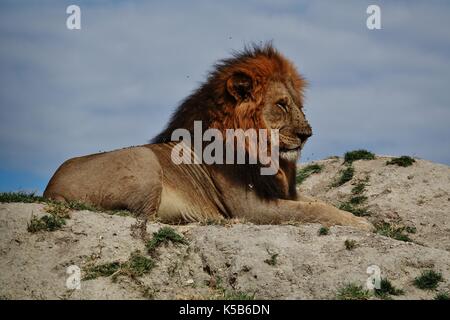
(115, 82)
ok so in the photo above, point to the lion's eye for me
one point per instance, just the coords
(282, 105)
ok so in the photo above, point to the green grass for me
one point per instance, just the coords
(238, 295)
(80, 206)
(387, 289)
(345, 176)
(136, 266)
(102, 270)
(352, 291)
(225, 294)
(45, 223)
(308, 170)
(23, 197)
(353, 205)
(428, 280)
(361, 154)
(350, 244)
(57, 209)
(359, 212)
(323, 231)
(7, 197)
(356, 200)
(359, 188)
(395, 232)
(273, 259)
(164, 235)
(442, 296)
(403, 161)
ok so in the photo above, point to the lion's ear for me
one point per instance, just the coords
(240, 86)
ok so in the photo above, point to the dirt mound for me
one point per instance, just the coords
(243, 261)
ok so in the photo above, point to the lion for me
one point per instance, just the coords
(255, 88)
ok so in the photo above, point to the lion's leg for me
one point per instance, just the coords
(282, 211)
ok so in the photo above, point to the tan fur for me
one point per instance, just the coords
(257, 89)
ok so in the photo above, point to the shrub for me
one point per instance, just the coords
(403, 161)
(361, 154)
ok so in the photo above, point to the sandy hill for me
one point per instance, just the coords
(410, 205)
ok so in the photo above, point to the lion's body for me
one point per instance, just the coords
(257, 89)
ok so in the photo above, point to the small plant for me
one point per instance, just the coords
(308, 170)
(45, 223)
(323, 231)
(273, 259)
(359, 212)
(102, 270)
(57, 209)
(355, 200)
(428, 280)
(442, 296)
(361, 154)
(225, 294)
(359, 188)
(387, 289)
(352, 291)
(79, 206)
(136, 266)
(238, 295)
(6, 197)
(395, 232)
(411, 229)
(345, 176)
(403, 161)
(350, 244)
(164, 235)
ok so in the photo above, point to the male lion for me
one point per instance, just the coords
(257, 88)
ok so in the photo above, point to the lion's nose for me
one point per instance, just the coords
(304, 134)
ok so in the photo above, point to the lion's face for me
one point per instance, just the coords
(282, 109)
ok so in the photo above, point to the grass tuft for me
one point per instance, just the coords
(355, 200)
(361, 154)
(345, 176)
(395, 232)
(46, 223)
(387, 289)
(25, 197)
(403, 161)
(352, 291)
(323, 231)
(57, 209)
(308, 170)
(102, 270)
(443, 295)
(350, 244)
(273, 259)
(225, 294)
(428, 280)
(359, 188)
(164, 235)
(359, 212)
(238, 295)
(136, 266)
(79, 206)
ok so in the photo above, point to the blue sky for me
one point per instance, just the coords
(115, 82)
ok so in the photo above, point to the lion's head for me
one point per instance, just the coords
(257, 88)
